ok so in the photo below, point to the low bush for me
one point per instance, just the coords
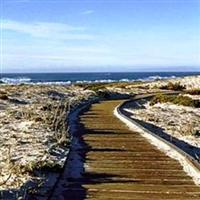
(196, 133)
(179, 100)
(92, 86)
(103, 93)
(101, 86)
(173, 86)
(33, 166)
(3, 97)
(96, 87)
(193, 92)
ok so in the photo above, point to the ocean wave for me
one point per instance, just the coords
(17, 80)
(27, 80)
(154, 78)
(96, 81)
(161, 77)
(53, 83)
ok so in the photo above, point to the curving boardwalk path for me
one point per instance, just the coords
(120, 164)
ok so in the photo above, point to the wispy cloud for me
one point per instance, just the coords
(87, 12)
(47, 30)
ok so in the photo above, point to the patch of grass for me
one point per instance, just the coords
(196, 133)
(49, 166)
(103, 93)
(93, 86)
(101, 86)
(124, 84)
(179, 100)
(193, 92)
(43, 166)
(173, 86)
(3, 97)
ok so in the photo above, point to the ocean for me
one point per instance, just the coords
(70, 78)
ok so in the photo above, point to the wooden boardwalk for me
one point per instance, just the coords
(121, 165)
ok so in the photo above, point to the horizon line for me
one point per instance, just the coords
(76, 72)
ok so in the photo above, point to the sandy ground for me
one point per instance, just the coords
(190, 82)
(27, 136)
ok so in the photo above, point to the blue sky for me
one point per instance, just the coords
(112, 35)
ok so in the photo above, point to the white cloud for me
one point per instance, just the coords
(47, 30)
(51, 50)
(87, 12)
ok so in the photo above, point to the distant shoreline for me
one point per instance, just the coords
(81, 78)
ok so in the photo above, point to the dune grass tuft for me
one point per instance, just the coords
(179, 100)
(173, 86)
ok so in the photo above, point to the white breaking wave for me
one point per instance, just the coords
(19, 80)
(53, 83)
(16, 80)
(153, 78)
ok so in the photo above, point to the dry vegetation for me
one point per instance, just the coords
(193, 92)
(173, 86)
(188, 83)
(34, 129)
(179, 100)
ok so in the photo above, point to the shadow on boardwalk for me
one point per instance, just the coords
(78, 175)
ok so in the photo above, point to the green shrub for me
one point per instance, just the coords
(104, 93)
(96, 87)
(179, 100)
(173, 86)
(193, 92)
(41, 165)
(196, 133)
(3, 97)
(160, 98)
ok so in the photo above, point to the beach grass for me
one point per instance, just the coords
(179, 100)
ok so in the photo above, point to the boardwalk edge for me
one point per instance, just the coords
(163, 146)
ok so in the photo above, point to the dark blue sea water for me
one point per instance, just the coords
(68, 78)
